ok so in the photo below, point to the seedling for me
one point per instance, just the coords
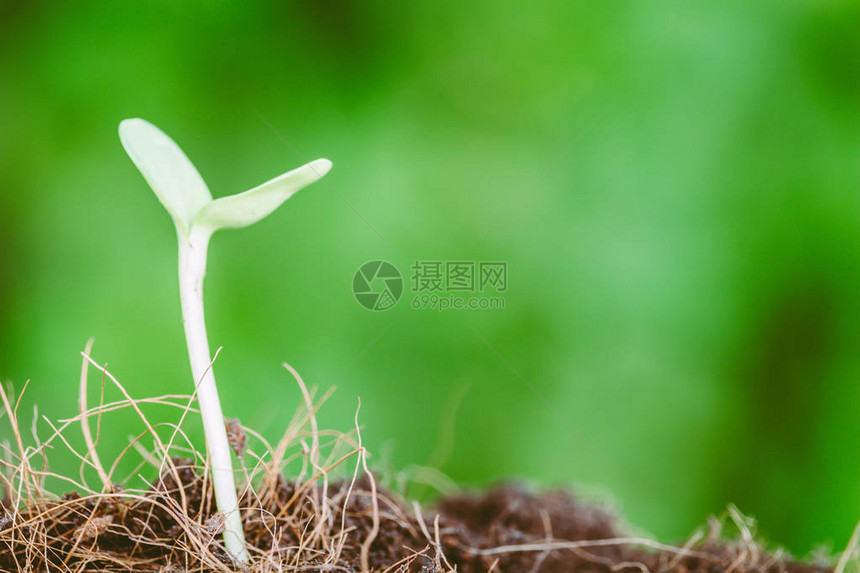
(196, 216)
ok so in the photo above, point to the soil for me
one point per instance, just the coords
(303, 527)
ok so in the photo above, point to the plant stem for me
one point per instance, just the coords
(192, 269)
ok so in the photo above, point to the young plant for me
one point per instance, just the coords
(196, 216)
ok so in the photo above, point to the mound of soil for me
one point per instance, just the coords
(344, 527)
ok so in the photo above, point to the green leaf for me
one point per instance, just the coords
(249, 207)
(176, 182)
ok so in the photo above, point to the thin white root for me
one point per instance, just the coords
(850, 551)
(85, 421)
(365, 546)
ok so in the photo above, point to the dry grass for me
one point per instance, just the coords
(171, 523)
(330, 517)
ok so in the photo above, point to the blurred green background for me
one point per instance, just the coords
(683, 272)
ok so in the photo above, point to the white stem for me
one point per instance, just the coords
(192, 269)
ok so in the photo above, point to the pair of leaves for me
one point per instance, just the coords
(182, 191)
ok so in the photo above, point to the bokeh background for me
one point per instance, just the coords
(675, 188)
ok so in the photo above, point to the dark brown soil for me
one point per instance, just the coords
(300, 527)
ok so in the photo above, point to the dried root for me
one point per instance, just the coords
(330, 518)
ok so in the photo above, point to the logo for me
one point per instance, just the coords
(377, 285)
